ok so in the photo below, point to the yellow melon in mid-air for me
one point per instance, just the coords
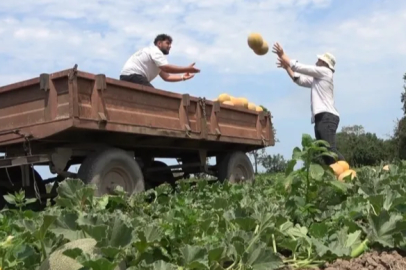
(252, 106)
(224, 97)
(228, 102)
(347, 173)
(344, 164)
(255, 41)
(263, 49)
(337, 168)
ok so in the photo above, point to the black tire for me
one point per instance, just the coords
(15, 175)
(154, 179)
(236, 168)
(108, 168)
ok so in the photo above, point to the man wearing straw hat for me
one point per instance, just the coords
(319, 78)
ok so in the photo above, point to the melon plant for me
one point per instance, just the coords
(301, 218)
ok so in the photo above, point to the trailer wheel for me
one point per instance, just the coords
(154, 179)
(236, 168)
(110, 168)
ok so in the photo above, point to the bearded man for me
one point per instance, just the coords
(147, 63)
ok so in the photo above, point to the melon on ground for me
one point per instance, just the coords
(337, 168)
(385, 168)
(263, 49)
(224, 97)
(344, 164)
(255, 41)
(58, 261)
(347, 173)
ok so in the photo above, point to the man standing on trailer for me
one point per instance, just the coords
(144, 65)
(319, 78)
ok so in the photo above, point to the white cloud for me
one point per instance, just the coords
(46, 36)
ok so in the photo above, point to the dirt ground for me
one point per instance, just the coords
(370, 261)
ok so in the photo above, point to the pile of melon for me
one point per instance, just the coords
(258, 44)
(238, 102)
(342, 169)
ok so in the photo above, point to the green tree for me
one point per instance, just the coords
(399, 136)
(403, 95)
(274, 163)
(257, 155)
(361, 148)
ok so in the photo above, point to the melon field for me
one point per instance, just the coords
(301, 219)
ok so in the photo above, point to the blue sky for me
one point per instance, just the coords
(367, 37)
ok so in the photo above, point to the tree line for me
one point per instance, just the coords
(359, 147)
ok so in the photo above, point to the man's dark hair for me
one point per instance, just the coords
(162, 37)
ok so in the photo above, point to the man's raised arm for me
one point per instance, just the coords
(178, 69)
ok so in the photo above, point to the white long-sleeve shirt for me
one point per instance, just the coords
(320, 80)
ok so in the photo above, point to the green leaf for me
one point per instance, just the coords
(290, 166)
(162, 265)
(216, 254)
(354, 239)
(66, 225)
(98, 232)
(73, 193)
(322, 143)
(10, 199)
(120, 234)
(262, 258)
(343, 187)
(306, 140)
(47, 221)
(195, 257)
(319, 230)
(297, 154)
(316, 171)
(384, 226)
(27, 254)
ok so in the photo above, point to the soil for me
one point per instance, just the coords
(370, 261)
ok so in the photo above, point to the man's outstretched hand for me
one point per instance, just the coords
(188, 76)
(283, 58)
(192, 68)
(277, 48)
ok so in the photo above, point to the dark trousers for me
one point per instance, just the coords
(325, 128)
(135, 78)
